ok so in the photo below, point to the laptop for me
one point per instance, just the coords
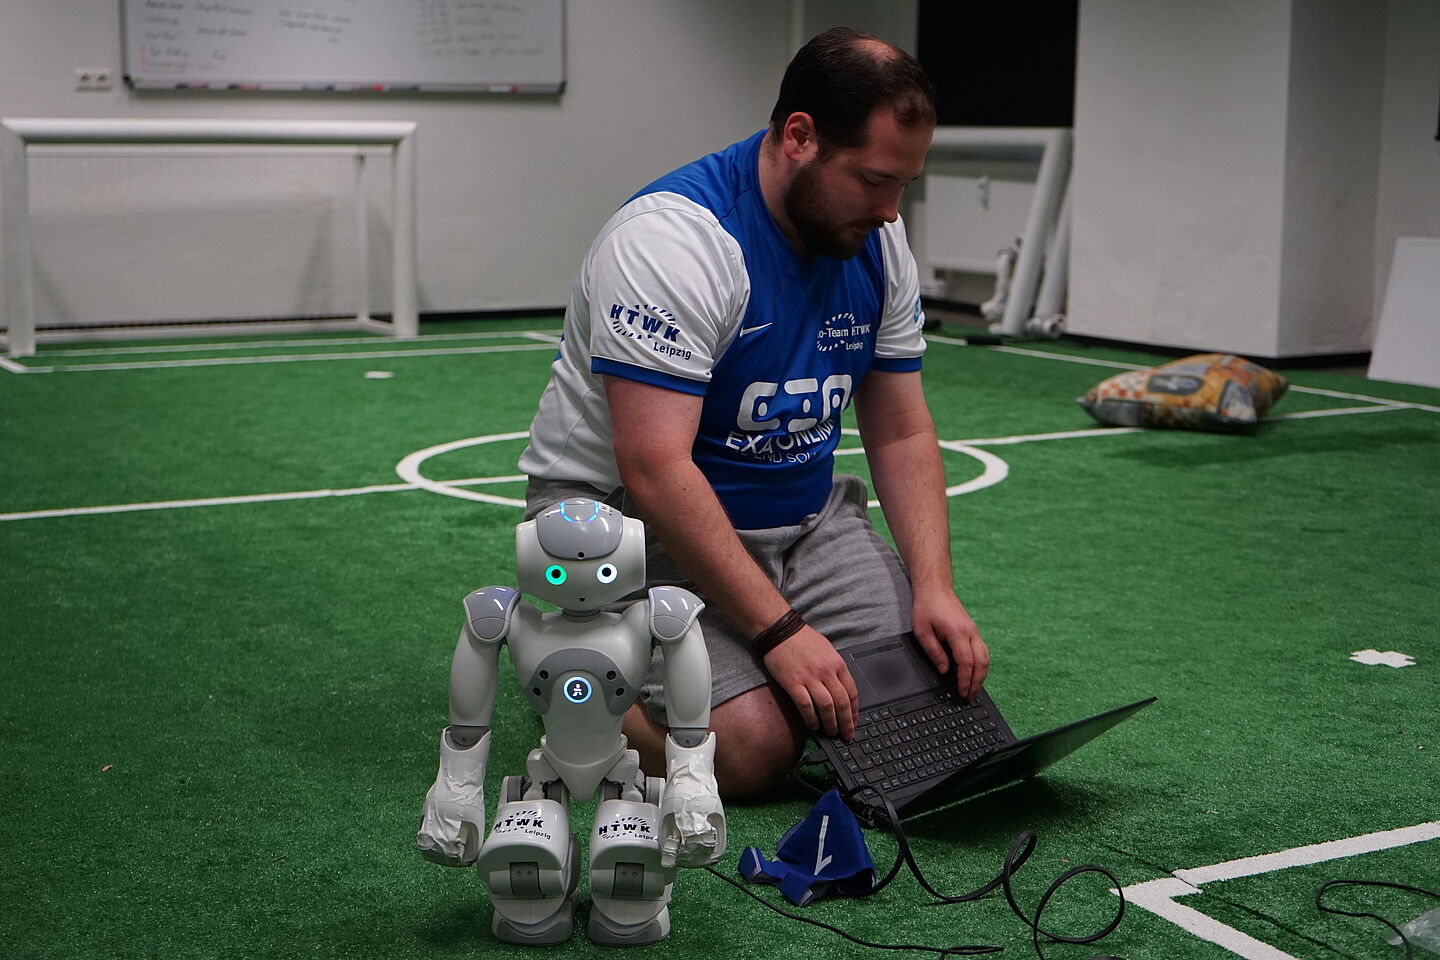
(922, 745)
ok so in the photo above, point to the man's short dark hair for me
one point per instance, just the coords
(841, 76)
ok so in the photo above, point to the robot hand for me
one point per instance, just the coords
(692, 821)
(453, 823)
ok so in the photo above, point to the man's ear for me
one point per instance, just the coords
(799, 141)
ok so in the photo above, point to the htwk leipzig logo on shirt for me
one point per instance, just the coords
(841, 332)
(647, 322)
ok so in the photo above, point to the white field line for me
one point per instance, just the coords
(1158, 896)
(290, 358)
(1339, 412)
(1117, 365)
(375, 339)
(995, 471)
(257, 498)
(545, 337)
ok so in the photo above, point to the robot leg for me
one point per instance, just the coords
(629, 889)
(530, 863)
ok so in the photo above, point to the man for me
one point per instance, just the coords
(722, 321)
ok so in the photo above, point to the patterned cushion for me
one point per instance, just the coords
(1208, 391)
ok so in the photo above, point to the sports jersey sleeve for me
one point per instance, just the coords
(900, 343)
(666, 290)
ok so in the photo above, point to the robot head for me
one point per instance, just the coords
(580, 555)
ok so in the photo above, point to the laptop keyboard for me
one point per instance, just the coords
(915, 740)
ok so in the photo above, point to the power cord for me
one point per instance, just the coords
(1019, 852)
(943, 951)
(1320, 905)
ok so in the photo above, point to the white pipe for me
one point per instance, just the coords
(1049, 319)
(16, 277)
(405, 319)
(362, 243)
(997, 137)
(1049, 185)
(69, 130)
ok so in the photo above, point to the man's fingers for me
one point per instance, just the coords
(847, 700)
(934, 649)
(972, 663)
(964, 679)
(801, 699)
(826, 707)
(982, 662)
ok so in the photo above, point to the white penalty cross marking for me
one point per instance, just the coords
(1390, 658)
(1158, 896)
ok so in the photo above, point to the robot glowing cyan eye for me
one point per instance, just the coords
(607, 573)
(555, 574)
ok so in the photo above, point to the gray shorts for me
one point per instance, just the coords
(834, 568)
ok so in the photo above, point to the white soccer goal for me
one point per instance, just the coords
(17, 256)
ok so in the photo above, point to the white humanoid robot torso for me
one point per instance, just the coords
(580, 668)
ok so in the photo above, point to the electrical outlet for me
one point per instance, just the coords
(93, 78)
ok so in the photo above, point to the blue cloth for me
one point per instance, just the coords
(822, 855)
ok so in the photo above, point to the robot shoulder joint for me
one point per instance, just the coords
(488, 612)
(672, 611)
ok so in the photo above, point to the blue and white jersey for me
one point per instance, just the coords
(691, 286)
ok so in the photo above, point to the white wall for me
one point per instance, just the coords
(511, 189)
(1408, 203)
(1179, 172)
(893, 20)
(1195, 225)
(1242, 168)
(1332, 167)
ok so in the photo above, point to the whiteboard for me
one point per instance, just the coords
(362, 46)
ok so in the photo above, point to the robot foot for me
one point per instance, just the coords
(556, 928)
(542, 921)
(629, 886)
(606, 932)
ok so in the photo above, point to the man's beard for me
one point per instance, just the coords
(805, 206)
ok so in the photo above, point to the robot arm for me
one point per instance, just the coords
(692, 819)
(475, 666)
(453, 820)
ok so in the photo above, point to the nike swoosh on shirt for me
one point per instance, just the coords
(746, 331)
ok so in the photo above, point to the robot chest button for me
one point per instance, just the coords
(582, 677)
(578, 689)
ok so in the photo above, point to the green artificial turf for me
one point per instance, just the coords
(219, 721)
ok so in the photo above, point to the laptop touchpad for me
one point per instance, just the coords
(890, 670)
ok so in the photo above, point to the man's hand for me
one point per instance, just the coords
(814, 675)
(947, 634)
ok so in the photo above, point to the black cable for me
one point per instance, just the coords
(973, 950)
(1320, 895)
(1019, 852)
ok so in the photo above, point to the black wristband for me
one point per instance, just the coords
(776, 634)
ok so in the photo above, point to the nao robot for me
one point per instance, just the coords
(580, 668)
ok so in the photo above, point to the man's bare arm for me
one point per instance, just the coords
(654, 430)
(909, 478)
